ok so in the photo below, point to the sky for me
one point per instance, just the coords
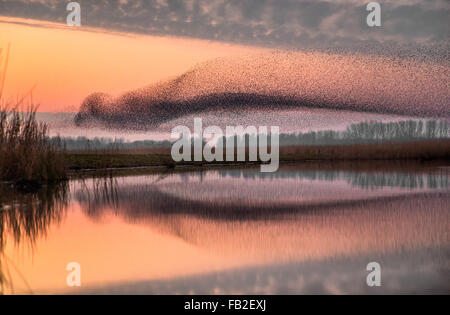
(274, 23)
(67, 64)
(126, 44)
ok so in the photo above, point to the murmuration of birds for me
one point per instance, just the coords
(411, 86)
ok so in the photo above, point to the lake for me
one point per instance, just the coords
(306, 229)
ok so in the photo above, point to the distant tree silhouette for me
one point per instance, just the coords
(372, 132)
(359, 133)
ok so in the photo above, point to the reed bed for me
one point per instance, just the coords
(26, 154)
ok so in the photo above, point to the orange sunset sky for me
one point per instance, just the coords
(68, 63)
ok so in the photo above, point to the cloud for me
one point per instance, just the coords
(273, 23)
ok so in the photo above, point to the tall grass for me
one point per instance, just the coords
(26, 153)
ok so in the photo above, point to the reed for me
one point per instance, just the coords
(26, 154)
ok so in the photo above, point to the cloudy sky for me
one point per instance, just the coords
(169, 37)
(272, 23)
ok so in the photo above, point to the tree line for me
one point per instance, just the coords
(357, 133)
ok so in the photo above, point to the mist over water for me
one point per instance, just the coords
(283, 80)
(290, 121)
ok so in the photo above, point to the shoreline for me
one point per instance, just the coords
(370, 166)
(367, 156)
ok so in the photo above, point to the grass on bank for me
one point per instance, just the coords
(26, 154)
(420, 150)
(414, 150)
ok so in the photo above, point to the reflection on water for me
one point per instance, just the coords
(368, 180)
(24, 218)
(300, 230)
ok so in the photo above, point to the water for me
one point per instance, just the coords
(308, 228)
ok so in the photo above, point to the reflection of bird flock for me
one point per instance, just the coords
(407, 86)
(231, 225)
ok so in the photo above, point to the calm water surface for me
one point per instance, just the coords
(300, 230)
